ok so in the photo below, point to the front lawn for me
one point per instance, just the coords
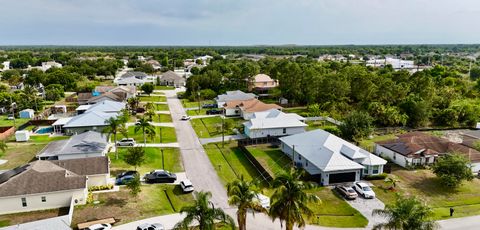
(424, 185)
(153, 98)
(167, 135)
(271, 158)
(194, 104)
(164, 87)
(18, 121)
(197, 112)
(152, 201)
(153, 160)
(162, 118)
(162, 107)
(211, 126)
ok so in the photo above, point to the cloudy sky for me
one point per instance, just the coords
(237, 22)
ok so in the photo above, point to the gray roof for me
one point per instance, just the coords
(87, 142)
(171, 76)
(133, 74)
(274, 118)
(107, 106)
(89, 119)
(86, 166)
(130, 80)
(235, 95)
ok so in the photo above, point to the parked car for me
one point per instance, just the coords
(126, 142)
(100, 227)
(125, 177)
(214, 111)
(11, 117)
(364, 190)
(346, 192)
(148, 226)
(185, 118)
(160, 176)
(209, 106)
(187, 186)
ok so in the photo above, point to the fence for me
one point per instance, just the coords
(6, 132)
(258, 141)
(263, 173)
(329, 119)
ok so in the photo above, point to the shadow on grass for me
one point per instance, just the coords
(433, 187)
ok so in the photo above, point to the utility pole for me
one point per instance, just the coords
(223, 128)
(163, 160)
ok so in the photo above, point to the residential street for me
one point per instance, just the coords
(204, 141)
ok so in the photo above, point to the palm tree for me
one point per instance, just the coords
(150, 106)
(290, 199)
(150, 113)
(243, 194)
(201, 213)
(3, 146)
(392, 181)
(133, 103)
(113, 126)
(142, 124)
(406, 214)
(125, 116)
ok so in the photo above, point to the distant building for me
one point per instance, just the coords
(262, 84)
(170, 78)
(27, 113)
(6, 66)
(134, 78)
(394, 62)
(49, 64)
(247, 108)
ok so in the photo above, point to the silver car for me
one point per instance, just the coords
(187, 186)
(147, 226)
(126, 142)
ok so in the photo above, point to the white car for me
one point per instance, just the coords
(100, 227)
(263, 200)
(185, 118)
(364, 190)
(147, 226)
(10, 117)
(187, 186)
(126, 142)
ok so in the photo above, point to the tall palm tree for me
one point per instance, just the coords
(150, 106)
(124, 116)
(243, 194)
(201, 213)
(290, 199)
(150, 114)
(407, 213)
(142, 124)
(112, 128)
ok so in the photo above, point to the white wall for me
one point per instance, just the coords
(256, 133)
(97, 180)
(34, 202)
(308, 166)
(232, 112)
(395, 157)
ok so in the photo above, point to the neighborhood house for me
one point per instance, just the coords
(88, 144)
(237, 95)
(274, 123)
(246, 108)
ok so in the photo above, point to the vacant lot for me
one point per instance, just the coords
(153, 160)
(271, 158)
(424, 185)
(162, 135)
(211, 126)
(25, 217)
(152, 201)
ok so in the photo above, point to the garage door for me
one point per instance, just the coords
(341, 177)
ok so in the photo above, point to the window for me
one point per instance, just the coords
(44, 199)
(365, 170)
(306, 163)
(376, 168)
(284, 130)
(299, 157)
(24, 202)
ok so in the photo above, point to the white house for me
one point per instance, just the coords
(394, 62)
(233, 96)
(88, 121)
(87, 144)
(49, 64)
(329, 157)
(6, 65)
(42, 185)
(274, 123)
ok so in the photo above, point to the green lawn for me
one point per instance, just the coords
(190, 104)
(368, 144)
(153, 98)
(319, 125)
(164, 87)
(152, 201)
(271, 158)
(424, 185)
(162, 107)
(18, 121)
(211, 126)
(162, 118)
(302, 111)
(168, 135)
(153, 160)
(197, 112)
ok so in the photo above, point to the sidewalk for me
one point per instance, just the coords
(204, 141)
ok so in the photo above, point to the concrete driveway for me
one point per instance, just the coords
(366, 207)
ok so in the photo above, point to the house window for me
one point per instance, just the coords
(284, 130)
(24, 202)
(299, 157)
(375, 169)
(306, 163)
(394, 156)
(365, 170)
(44, 199)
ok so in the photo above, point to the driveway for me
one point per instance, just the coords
(219, 139)
(366, 207)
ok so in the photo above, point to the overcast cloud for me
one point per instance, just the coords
(237, 22)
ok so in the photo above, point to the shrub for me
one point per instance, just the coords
(376, 177)
(89, 198)
(100, 187)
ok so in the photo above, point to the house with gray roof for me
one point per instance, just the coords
(42, 185)
(274, 123)
(107, 106)
(84, 145)
(134, 78)
(88, 121)
(330, 158)
(170, 78)
(236, 95)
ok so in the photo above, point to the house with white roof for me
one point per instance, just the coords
(89, 121)
(330, 158)
(236, 95)
(274, 123)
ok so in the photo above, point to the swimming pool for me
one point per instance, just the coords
(44, 130)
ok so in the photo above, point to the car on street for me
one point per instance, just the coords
(364, 190)
(126, 142)
(185, 118)
(147, 226)
(100, 227)
(347, 192)
(214, 111)
(187, 186)
(160, 176)
(125, 177)
(209, 106)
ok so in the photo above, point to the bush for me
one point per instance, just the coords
(181, 95)
(89, 198)
(100, 187)
(376, 177)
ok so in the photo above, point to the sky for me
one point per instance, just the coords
(238, 22)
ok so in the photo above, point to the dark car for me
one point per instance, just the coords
(214, 111)
(125, 177)
(127, 173)
(160, 176)
(347, 192)
(209, 106)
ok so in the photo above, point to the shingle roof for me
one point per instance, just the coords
(133, 74)
(108, 95)
(107, 106)
(274, 118)
(130, 80)
(251, 105)
(262, 78)
(86, 166)
(84, 143)
(171, 76)
(235, 95)
(89, 119)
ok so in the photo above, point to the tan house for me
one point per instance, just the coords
(246, 108)
(262, 83)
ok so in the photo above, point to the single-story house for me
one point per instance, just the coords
(87, 144)
(236, 95)
(82, 98)
(89, 121)
(122, 91)
(170, 78)
(106, 96)
(330, 158)
(42, 185)
(27, 113)
(106, 106)
(417, 148)
(262, 83)
(246, 108)
(274, 123)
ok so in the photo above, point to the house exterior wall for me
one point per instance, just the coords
(299, 160)
(398, 159)
(80, 155)
(232, 112)
(220, 103)
(256, 133)
(372, 170)
(96, 180)
(53, 200)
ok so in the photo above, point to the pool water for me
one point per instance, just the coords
(45, 130)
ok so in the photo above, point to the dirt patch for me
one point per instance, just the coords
(25, 217)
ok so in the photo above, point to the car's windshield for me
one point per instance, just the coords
(367, 189)
(350, 190)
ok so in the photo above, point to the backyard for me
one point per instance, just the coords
(312, 125)
(25, 217)
(151, 201)
(18, 121)
(167, 135)
(153, 160)
(425, 185)
(271, 158)
(211, 126)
